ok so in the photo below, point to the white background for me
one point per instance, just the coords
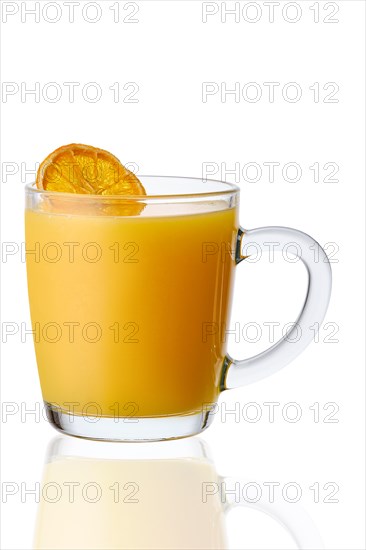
(169, 53)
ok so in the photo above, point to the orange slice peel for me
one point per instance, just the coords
(86, 170)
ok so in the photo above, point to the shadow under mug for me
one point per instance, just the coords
(130, 297)
(101, 496)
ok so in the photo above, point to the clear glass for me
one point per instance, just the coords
(128, 297)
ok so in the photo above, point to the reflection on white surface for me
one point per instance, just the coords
(143, 496)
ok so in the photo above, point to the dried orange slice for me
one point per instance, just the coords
(85, 169)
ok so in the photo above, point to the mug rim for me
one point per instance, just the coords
(231, 188)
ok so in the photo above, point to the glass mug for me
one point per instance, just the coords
(166, 497)
(127, 297)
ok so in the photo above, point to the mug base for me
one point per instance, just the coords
(128, 429)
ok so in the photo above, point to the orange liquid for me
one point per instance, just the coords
(127, 326)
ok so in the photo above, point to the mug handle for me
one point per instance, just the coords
(290, 515)
(239, 373)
